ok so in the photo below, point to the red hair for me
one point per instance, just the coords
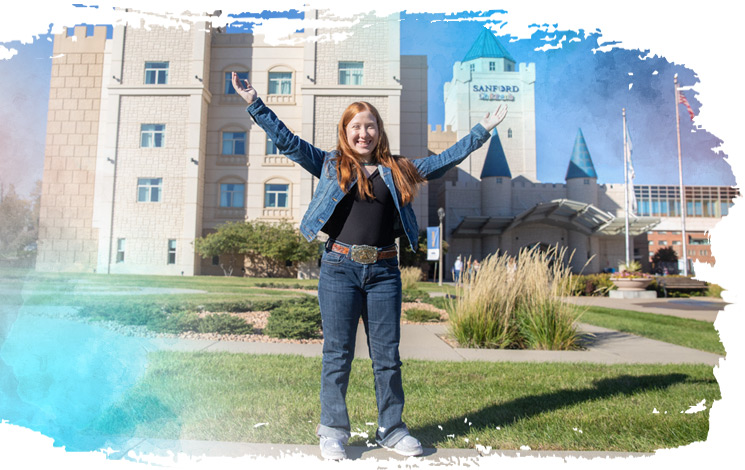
(348, 167)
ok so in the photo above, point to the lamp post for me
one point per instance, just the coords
(441, 215)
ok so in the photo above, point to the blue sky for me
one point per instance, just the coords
(576, 87)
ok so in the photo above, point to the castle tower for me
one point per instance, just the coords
(67, 238)
(485, 78)
(581, 177)
(496, 189)
(582, 186)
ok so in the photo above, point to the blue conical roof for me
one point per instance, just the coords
(580, 165)
(495, 163)
(487, 45)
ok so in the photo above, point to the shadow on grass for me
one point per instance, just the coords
(505, 414)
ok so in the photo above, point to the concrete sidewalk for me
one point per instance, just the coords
(197, 450)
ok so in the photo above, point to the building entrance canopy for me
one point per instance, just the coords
(564, 213)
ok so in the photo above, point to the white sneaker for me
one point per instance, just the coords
(332, 449)
(408, 446)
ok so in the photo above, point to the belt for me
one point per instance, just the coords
(363, 254)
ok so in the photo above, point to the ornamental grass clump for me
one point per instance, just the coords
(516, 303)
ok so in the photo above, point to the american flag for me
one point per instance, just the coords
(682, 99)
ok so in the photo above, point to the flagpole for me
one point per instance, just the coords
(680, 178)
(626, 186)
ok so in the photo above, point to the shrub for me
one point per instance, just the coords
(714, 290)
(413, 295)
(138, 314)
(421, 315)
(516, 303)
(224, 324)
(298, 321)
(178, 322)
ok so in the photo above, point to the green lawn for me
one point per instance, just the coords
(227, 397)
(694, 334)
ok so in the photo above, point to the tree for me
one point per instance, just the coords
(665, 256)
(226, 243)
(264, 245)
(20, 225)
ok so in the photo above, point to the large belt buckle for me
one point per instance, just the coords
(363, 254)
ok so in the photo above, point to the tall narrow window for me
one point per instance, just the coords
(121, 244)
(233, 143)
(229, 90)
(276, 195)
(232, 195)
(509, 133)
(350, 73)
(492, 66)
(156, 73)
(472, 67)
(271, 148)
(171, 251)
(152, 135)
(149, 189)
(280, 83)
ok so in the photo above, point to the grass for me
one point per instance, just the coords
(221, 396)
(694, 334)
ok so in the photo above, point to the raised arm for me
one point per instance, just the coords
(435, 166)
(293, 147)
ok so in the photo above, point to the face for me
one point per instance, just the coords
(362, 133)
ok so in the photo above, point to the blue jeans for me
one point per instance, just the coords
(348, 291)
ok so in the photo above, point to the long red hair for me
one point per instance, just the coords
(348, 167)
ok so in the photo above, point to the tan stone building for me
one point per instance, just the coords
(150, 148)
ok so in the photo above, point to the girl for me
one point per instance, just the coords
(362, 202)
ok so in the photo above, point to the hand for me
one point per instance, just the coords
(247, 92)
(490, 121)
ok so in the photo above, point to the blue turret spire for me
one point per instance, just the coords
(580, 165)
(487, 45)
(495, 163)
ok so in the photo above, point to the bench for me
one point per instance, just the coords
(680, 283)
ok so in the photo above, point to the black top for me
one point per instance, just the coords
(358, 221)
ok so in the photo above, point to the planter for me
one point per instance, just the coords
(631, 284)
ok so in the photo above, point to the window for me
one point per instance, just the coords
(492, 66)
(156, 73)
(663, 242)
(651, 242)
(120, 245)
(229, 90)
(587, 181)
(215, 261)
(232, 194)
(171, 251)
(280, 83)
(676, 242)
(152, 135)
(233, 143)
(149, 189)
(276, 195)
(271, 148)
(472, 67)
(509, 133)
(350, 73)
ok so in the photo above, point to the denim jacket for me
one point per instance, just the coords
(321, 164)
